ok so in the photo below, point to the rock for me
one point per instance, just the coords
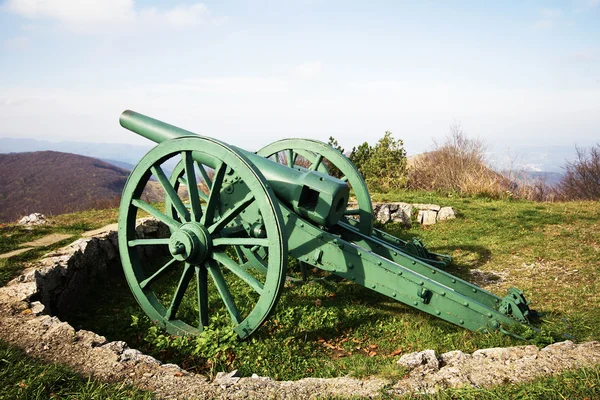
(427, 207)
(33, 219)
(227, 379)
(454, 357)
(446, 213)
(37, 308)
(117, 347)
(136, 356)
(426, 358)
(402, 213)
(427, 217)
(384, 215)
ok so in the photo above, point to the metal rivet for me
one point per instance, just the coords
(373, 286)
(378, 262)
(395, 253)
(399, 272)
(443, 293)
(414, 262)
(453, 280)
(394, 294)
(461, 322)
(359, 254)
(416, 303)
(433, 271)
(437, 312)
(350, 266)
(421, 283)
(301, 224)
(489, 315)
(474, 290)
(466, 304)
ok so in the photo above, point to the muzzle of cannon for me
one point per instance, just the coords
(234, 217)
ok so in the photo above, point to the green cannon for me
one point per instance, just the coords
(235, 217)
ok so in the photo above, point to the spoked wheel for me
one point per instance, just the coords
(236, 210)
(319, 156)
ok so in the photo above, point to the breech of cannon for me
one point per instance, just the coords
(312, 194)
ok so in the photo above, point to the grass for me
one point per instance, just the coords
(326, 329)
(23, 377)
(12, 236)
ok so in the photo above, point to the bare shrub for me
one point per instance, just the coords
(582, 176)
(459, 166)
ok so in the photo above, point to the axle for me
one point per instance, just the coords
(316, 196)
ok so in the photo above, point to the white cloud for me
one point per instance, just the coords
(100, 16)
(308, 70)
(16, 43)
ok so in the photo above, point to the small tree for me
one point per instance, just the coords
(359, 157)
(385, 166)
(582, 176)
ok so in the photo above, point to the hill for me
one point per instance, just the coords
(52, 182)
(111, 152)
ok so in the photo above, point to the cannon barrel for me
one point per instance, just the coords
(316, 196)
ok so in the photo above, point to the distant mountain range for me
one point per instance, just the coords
(123, 155)
(53, 182)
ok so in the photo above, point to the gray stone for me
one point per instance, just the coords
(446, 213)
(454, 357)
(227, 378)
(136, 356)
(426, 358)
(33, 219)
(384, 215)
(427, 207)
(427, 217)
(402, 214)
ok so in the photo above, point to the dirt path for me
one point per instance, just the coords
(41, 242)
(55, 238)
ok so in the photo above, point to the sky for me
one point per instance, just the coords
(515, 74)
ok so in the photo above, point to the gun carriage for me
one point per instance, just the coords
(232, 213)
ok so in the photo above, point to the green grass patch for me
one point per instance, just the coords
(23, 377)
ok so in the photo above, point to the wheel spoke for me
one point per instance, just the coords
(238, 270)
(142, 205)
(207, 180)
(352, 211)
(171, 193)
(213, 197)
(157, 274)
(316, 162)
(225, 241)
(231, 214)
(202, 289)
(192, 185)
(257, 263)
(217, 276)
(290, 159)
(184, 282)
(147, 242)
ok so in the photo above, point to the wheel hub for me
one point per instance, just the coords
(191, 243)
